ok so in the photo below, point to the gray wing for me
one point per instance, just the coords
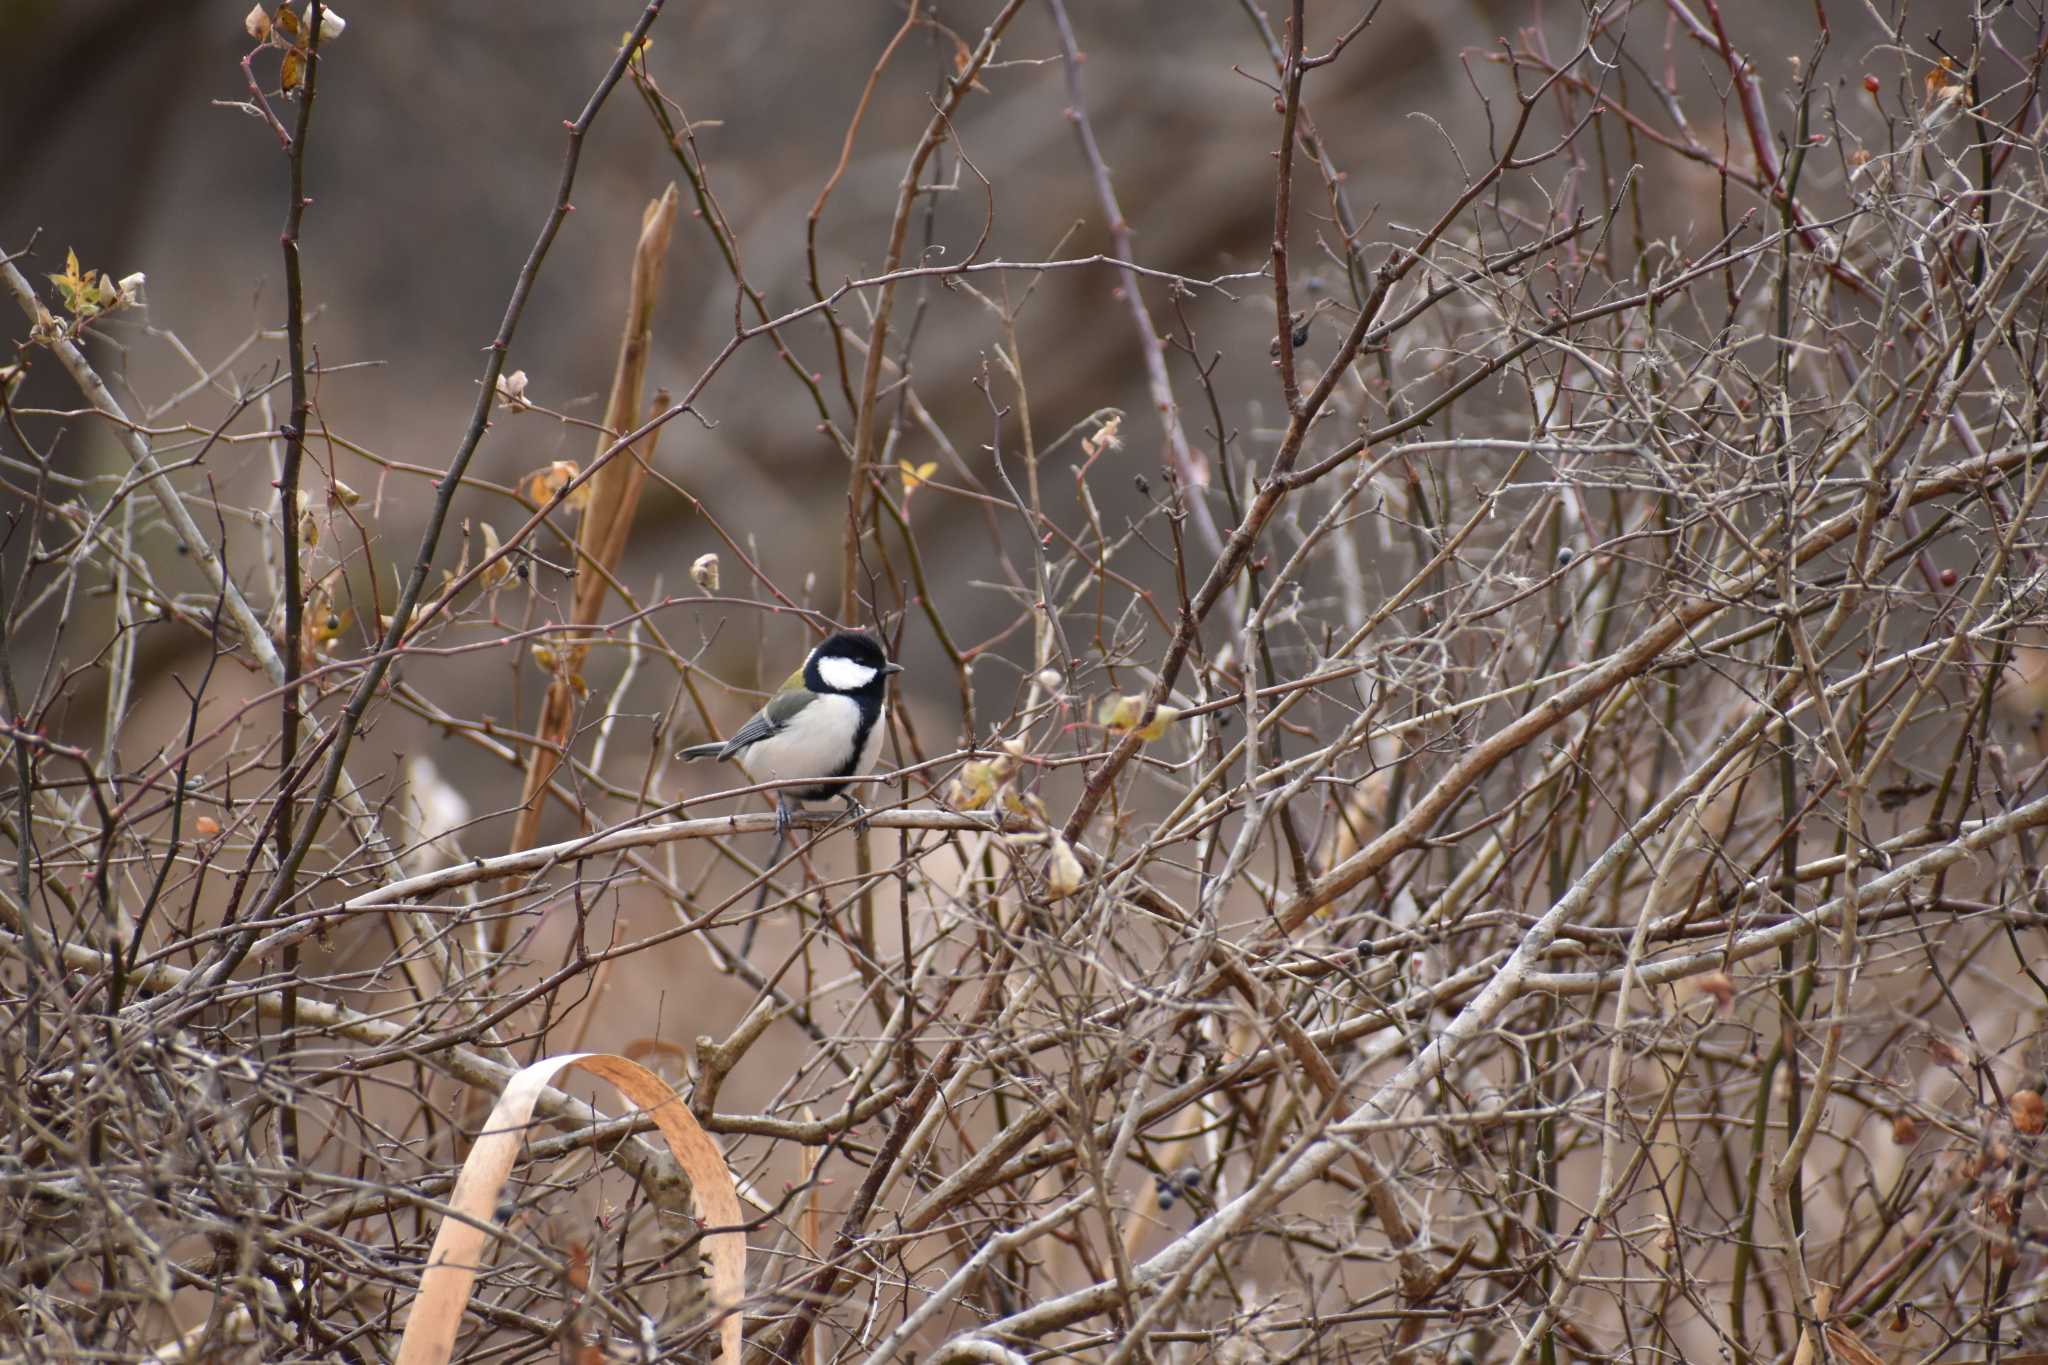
(767, 721)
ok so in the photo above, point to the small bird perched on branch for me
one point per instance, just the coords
(826, 722)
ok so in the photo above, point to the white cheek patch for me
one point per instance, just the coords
(845, 675)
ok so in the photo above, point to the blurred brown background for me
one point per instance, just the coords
(433, 157)
(438, 139)
(434, 154)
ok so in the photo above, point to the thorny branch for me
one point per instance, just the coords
(1511, 832)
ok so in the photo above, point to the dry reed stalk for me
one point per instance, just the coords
(452, 1265)
(601, 540)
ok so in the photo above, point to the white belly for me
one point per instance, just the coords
(814, 744)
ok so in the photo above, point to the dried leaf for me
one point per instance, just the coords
(1720, 988)
(1823, 1299)
(322, 625)
(704, 570)
(1944, 1052)
(1162, 716)
(291, 73)
(326, 626)
(1119, 713)
(1103, 438)
(974, 787)
(1064, 874)
(543, 485)
(671, 1061)
(512, 390)
(308, 523)
(1025, 806)
(1847, 1346)
(257, 23)
(497, 569)
(1359, 819)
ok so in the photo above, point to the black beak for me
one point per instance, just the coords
(892, 668)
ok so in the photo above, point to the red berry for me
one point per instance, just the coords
(1872, 84)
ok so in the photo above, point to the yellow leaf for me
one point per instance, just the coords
(1161, 718)
(328, 626)
(915, 475)
(1120, 714)
(974, 788)
(80, 288)
(543, 485)
(288, 21)
(292, 70)
(324, 620)
(1025, 805)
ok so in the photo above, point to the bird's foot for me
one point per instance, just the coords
(857, 813)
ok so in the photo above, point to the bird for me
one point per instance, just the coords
(826, 722)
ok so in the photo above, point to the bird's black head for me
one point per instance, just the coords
(849, 662)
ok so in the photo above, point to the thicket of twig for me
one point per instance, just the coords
(1502, 824)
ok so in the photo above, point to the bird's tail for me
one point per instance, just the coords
(711, 750)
